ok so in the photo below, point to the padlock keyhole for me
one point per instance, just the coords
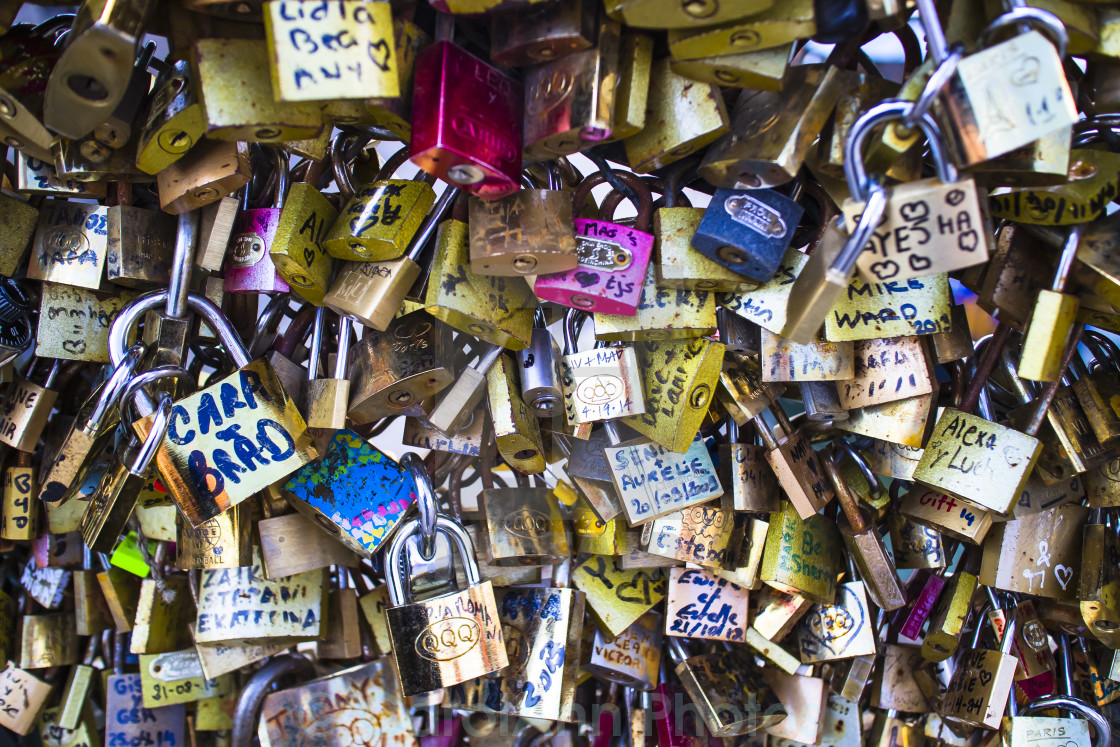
(87, 87)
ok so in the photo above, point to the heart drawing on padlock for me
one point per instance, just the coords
(919, 262)
(1060, 571)
(985, 677)
(586, 279)
(885, 270)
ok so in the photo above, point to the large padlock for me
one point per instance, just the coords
(202, 475)
(451, 638)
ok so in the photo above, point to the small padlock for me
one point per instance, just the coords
(612, 258)
(249, 267)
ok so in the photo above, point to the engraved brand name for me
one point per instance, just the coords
(483, 136)
(595, 390)
(248, 248)
(176, 665)
(448, 639)
(527, 523)
(755, 215)
(66, 243)
(602, 255)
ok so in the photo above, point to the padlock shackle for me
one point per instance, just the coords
(1046, 23)
(179, 283)
(984, 367)
(425, 503)
(431, 222)
(855, 171)
(845, 496)
(574, 319)
(395, 567)
(935, 37)
(1074, 705)
(633, 181)
(161, 421)
(847, 449)
(115, 385)
(316, 350)
(247, 714)
(152, 375)
(129, 316)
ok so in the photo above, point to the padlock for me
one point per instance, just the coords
(26, 407)
(326, 399)
(381, 218)
(1096, 387)
(457, 405)
(20, 218)
(522, 526)
(749, 482)
(297, 246)
(690, 114)
(22, 715)
(21, 513)
(94, 70)
(89, 434)
(915, 545)
(1070, 447)
(207, 174)
(247, 111)
(166, 330)
(1074, 730)
(865, 545)
(772, 130)
(571, 98)
(399, 368)
(679, 379)
(984, 124)
(612, 258)
(71, 243)
(747, 231)
(527, 233)
(174, 120)
(483, 154)
(249, 267)
(600, 384)
(140, 244)
(433, 646)
(659, 14)
(202, 477)
(540, 372)
(799, 554)
(981, 684)
(721, 685)
(516, 431)
(797, 466)
(114, 499)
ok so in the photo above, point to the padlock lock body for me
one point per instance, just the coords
(526, 233)
(249, 267)
(612, 262)
(297, 249)
(446, 640)
(71, 242)
(379, 221)
(747, 231)
(454, 140)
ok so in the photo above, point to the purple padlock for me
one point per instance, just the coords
(612, 257)
(249, 267)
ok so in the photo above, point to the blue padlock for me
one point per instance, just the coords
(354, 492)
(747, 230)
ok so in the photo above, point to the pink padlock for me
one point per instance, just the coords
(612, 257)
(466, 122)
(249, 267)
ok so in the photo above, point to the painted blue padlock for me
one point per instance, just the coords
(354, 492)
(747, 230)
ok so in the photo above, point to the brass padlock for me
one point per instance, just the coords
(203, 477)
(448, 639)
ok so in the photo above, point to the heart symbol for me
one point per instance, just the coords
(968, 241)
(917, 210)
(1059, 571)
(919, 262)
(75, 347)
(985, 677)
(884, 270)
(1027, 73)
(586, 278)
(955, 197)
